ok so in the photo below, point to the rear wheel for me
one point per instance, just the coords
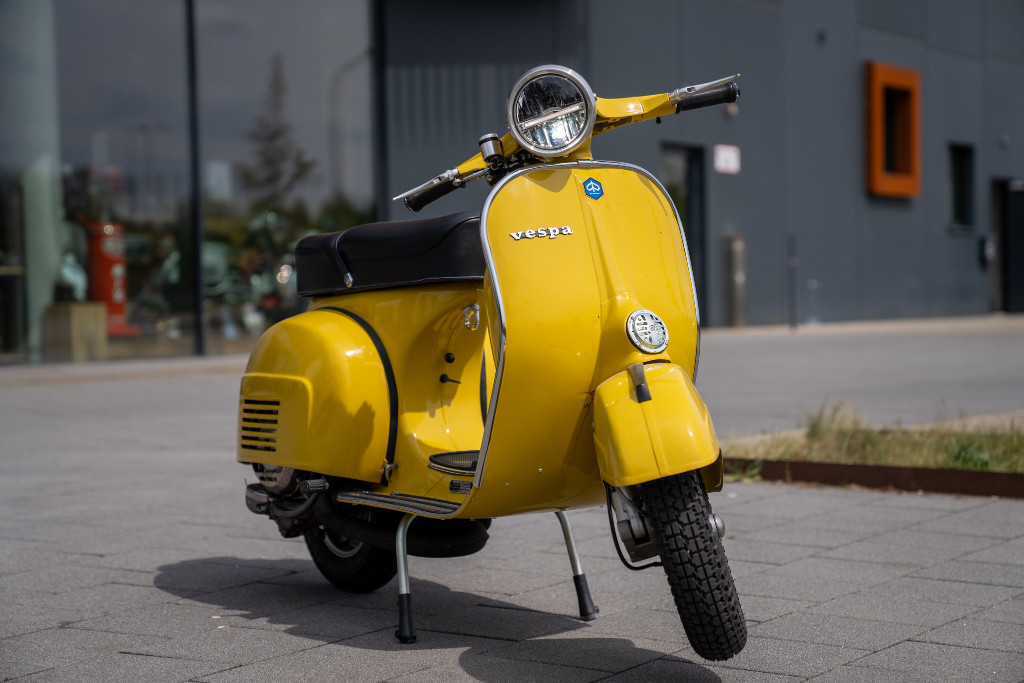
(352, 566)
(698, 573)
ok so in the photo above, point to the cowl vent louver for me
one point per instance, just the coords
(258, 427)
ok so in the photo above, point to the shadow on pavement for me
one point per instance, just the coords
(289, 596)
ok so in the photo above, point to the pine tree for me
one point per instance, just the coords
(280, 164)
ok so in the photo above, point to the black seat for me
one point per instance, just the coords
(393, 254)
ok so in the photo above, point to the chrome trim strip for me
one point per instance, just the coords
(492, 274)
(427, 507)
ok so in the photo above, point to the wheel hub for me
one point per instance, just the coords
(341, 546)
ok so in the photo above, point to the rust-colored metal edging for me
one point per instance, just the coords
(966, 482)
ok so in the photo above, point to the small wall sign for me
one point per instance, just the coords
(727, 159)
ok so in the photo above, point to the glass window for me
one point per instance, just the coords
(893, 130)
(96, 238)
(961, 186)
(682, 174)
(285, 113)
(93, 136)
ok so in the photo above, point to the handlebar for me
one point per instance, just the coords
(723, 94)
(417, 200)
(611, 113)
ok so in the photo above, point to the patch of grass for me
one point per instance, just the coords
(838, 435)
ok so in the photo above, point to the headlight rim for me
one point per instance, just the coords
(575, 79)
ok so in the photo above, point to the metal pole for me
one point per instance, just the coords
(380, 118)
(791, 264)
(588, 611)
(194, 177)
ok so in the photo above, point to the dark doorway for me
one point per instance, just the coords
(1008, 226)
(682, 173)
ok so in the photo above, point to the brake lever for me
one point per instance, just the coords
(448, 176)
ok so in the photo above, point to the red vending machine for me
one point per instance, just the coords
(108, 275)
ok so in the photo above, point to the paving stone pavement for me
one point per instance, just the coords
(126, 553)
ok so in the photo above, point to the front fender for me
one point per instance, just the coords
(668, 433)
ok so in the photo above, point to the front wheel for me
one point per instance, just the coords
(679, 514)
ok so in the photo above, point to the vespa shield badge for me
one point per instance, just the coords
(593, 189)
(647, 331)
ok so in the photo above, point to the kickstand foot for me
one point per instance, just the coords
(406, 634)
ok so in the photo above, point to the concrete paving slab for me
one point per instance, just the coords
(791, 657)
(1009, 612)
(769, 585)
(374, 657)
(60, 647)
(679, 669)
(827, 629)
(588, 651)
(235, 645)
(897, 609)
(499, 621)
(482, 667)
(764, 552)
(998, 519)
(853, 572)
(882, 550)
(166, 620)
(801, 534)
(945, 663)
(327, 622)
(858, 674)
(976, 572)
(952, 592)
(977, 633)
(151, 542)
(1003, 553)
(757, 608)
(122, 667)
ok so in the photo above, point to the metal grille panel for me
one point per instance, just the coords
(258, 423)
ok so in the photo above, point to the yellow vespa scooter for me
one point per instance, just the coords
(538, 355)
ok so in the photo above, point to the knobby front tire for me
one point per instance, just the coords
(698, 573)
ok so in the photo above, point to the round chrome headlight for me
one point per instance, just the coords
(551, 111)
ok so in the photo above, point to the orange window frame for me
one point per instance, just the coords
(893, 130)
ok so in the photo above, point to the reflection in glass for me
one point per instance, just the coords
(285, 110)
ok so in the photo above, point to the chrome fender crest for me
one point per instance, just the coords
(550, 233)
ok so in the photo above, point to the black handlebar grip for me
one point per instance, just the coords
(723, 94)
(420, 199)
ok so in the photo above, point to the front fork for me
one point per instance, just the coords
(631, 529)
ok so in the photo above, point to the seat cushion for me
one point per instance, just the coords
(393, 254)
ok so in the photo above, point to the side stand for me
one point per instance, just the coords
(405, 633)
(588, 611)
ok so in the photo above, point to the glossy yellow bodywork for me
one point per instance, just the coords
(669, 434)
(310, 364)
(565, 300)
(543, 391)
(345, 402)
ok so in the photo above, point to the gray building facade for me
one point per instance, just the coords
(797, 222)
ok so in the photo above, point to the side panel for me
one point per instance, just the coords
(298, 407)
(637, 441)
(566, 271)
(424, 331)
